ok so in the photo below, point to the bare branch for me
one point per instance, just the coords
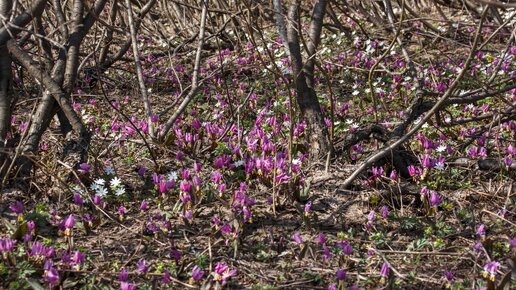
(139, 71)
(8, 31)
(388, 149)
(49, 84)
(195, 77)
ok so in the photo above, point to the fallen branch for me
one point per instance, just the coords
(389, 149)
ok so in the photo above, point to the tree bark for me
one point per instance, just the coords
(59, 84)
(5, 79)
(318, 135)
(36, 8)
(5, 87)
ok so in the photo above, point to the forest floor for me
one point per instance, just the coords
(228, 202)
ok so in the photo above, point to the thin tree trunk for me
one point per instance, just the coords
(5, 79)
(139, 70)
(59, 85)
(5, 87)
(318, 136)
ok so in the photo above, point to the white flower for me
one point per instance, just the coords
(94, 186)
(172, 176)
(441, 148)
(109, 170)
(115, 182)
(100, 181)
(239, 163)
(296, 161)
(119, 191)
(439, 166)
(101, 191)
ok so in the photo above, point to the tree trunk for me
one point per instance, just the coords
(59, 84)
(5, 86)
(318, 135)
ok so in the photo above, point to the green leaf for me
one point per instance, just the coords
(34, 284)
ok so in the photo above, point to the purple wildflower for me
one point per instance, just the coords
(384, 272)
(51, 276)
(175, 254)
(163, 187)
(427, 162)
(188, 215)
(435, 200)
(449, 276)
(321, 239)
(490, 269)
(165, 279)
(326, 254)
(393, 175)
(97, 200)
(481, 231)
(40, 251)
(477, 247)
(308, 208)
(141, 171)
(17, 208)
(512, 243)
(371, 216)
(346, 248)
(184, 186)
(297, 238)
(7, 245)
(142, 266)
(78, 259)
(185, 174)
(222, 273)
(216, 177)
(197, 273)
(84, 168)
(77, 199)
(121, 211)
(385, 212)
(69, 224)
(144, 205)
(185, 197)
(377, 171)
(127, 286)
(216, 220)
(341, 274)
(31, 227)
(123, 275)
